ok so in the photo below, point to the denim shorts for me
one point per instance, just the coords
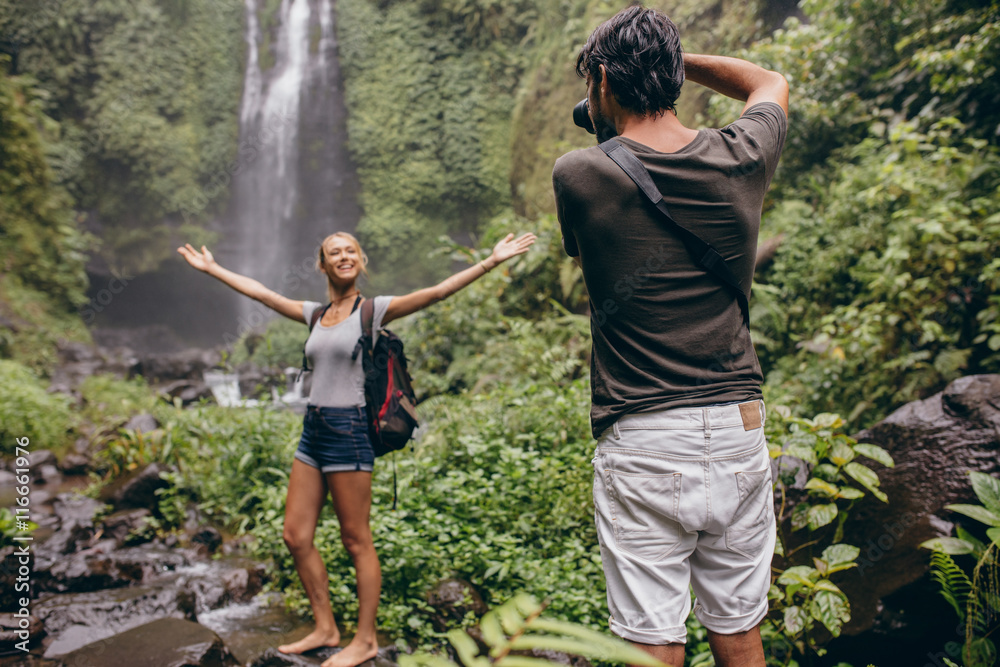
(336, 439)
(683, 498)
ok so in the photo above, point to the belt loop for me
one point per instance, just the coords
(616, 431)
(706, 421)
(763, 412)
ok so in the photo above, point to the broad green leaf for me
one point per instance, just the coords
(492, 631)
(987, 490)
(779, 547)
(821, 515)
(823, 487)
(526, 604)
(800, 516)
(799, 574)
(827, 420)
(994, 535)
(465, 646)
(604, 651)
(522, 661)
(510, 618)
(795, 620)
(867, 478)
(424, 660)
(801, 451)
(850, 493)
(835, 554)
(948, 545)
(841, 454)
(594, 638)
(831, 610)
(827, 585)
(977, 512)
(875, 453)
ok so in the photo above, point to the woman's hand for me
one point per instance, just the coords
(202, 261)
(510, 247)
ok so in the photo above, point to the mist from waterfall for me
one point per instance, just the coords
(296, 183)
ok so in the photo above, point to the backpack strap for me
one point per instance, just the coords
(705, 255)
(316, 316)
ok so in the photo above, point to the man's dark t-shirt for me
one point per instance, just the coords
(666, 333)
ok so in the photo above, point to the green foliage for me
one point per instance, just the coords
(429, 85)
(41, 248)
(975, 598)
(9, 528)
(882, 291)
(27, 410)
(517, 625)
(107, 398)
(146, 96)
(804, 599)
(279, 345)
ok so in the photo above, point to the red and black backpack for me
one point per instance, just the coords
(390, 402)
(389, 397)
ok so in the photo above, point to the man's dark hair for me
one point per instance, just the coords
(641, 50)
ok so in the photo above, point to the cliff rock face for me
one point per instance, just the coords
(935, 443)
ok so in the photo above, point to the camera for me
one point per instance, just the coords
(581, 116)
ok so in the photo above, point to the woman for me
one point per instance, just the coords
(334, 452)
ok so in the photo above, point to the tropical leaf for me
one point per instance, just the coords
(977, 512)
(836, 554)
(954, 582)
(867, 478)
(987, 489)
(949, 545)
(830, 609)
(821, 515)
(875, 453)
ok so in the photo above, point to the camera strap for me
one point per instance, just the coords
(706, 256)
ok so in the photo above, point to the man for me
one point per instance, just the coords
(682, 484)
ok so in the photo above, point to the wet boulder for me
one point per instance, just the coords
(168, 642)
(105, 566)
(450, 600)
(74, 620)
(124, 525)
(935, 443)
(136, 489)
(16, 629)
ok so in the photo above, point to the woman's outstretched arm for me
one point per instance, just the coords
(411, 303)
(205, 262)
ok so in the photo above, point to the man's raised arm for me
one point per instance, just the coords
(738, 79)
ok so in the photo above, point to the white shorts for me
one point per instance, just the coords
(683, 497)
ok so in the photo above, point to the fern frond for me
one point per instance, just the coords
(955, 583)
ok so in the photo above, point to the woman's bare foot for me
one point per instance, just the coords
(315, 639)
(358, 651)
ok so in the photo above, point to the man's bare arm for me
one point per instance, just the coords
(738, 79)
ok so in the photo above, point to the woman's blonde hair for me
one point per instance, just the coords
(322, 256)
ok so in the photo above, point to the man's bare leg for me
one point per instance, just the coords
(670, 654)
(740, 650)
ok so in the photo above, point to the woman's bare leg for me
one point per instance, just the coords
(306, 495)
(352, 500)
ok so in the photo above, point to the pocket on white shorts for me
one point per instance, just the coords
(644, 510)
(749, 530)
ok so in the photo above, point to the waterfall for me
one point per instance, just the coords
(294, 183)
